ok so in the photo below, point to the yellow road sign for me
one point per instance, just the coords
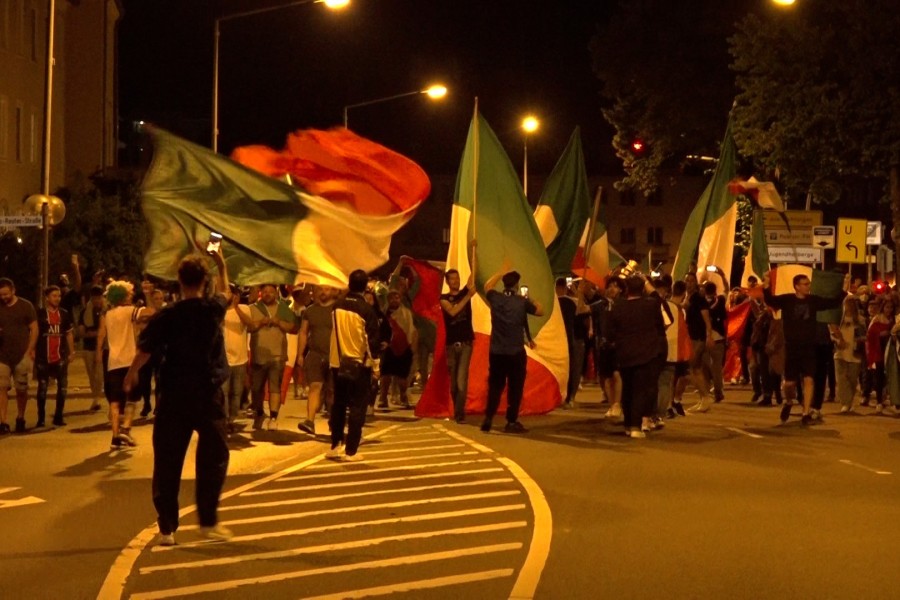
(851, 240)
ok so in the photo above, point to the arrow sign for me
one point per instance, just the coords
(19, 502)
(850, 246)
(851, 242)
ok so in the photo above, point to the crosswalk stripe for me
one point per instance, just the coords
(437, 436)
(285, 576)
(319, 529)
(417, 448)
(421, 488)
(448, 463)
(421, 584)
(390, 460)
(228, 560)
(365, 482)
(365, 507)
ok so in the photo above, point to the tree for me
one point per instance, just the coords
(818, 91)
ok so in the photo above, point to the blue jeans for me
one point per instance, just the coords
(458, 357)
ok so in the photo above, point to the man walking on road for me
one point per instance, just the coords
(56, 346)
(272, 321)
(312, 353)
(507, 358)
(456, 307)
(18, 337)
(188, 338)
(354, 341)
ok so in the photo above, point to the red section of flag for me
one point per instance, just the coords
(737, 323)
(344, 168)
(426, 301)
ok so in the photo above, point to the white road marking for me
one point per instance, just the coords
(372, 564)
(229, 560)
(408, 450)
(539, 549)
(365, 482)
(18, 501)
(388, 469)
(864, 467)
(331, 464)
(435, 437)
(421, 584)
(313, 500)
(755, 436)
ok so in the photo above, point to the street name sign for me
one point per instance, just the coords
(20, 220)
(823, 237)
(792, 227)
(851, 240)
(795, 254)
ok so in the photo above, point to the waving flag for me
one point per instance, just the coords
(708, 236)
(762, 193)
(827, 284)
(756, 262)
(564, 208)
(355, 195)
(489, 205)
(596, 258)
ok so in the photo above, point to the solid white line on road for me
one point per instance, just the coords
(864, 467)
(755, 436)
(539, 549)
(582, 439)
(229, 560)
(434, 437)
(220, 586)
(421, 488)
(421, 584)
(408, 450)
(449, 463)
(365, 482)
(114, 584)
(298, 532)
(365, 507)
(390, 460)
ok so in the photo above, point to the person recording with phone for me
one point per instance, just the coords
(188, 338)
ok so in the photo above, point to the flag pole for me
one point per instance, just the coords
(474, 186)
(590, 233)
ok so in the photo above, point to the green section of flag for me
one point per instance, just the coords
(759, 247)
(827, 284)
(566, 194)
(190, 191)
(501, 218)
(714, 202)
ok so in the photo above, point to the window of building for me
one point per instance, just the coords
(626, 197)
(626, 235)
(17, 124)
(655, 236)
(654, 199)
(4, 125)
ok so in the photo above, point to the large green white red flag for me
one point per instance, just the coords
(708, 236)
(596, 257)
(350, 196)
(489, 205)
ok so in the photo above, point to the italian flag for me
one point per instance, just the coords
(596, 257)
(351, 195)
(827, 284)
(756, 262)
(708, 237)
(489, 206)
(563, 211)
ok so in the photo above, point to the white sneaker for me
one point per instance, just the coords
(879, 409)
(846, 409)
(218, 533)
(614, 411)
(636, 434)
(888, 409)
(166, 539)
(272, 425)
(352, 457)
(335, 453)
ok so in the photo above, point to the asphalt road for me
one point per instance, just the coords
(729, 503)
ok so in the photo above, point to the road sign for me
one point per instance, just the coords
(795, 254)
(20, 220)
(823, 237)
(796, 237)
(796, 219)
(874, 232)
(851, 240)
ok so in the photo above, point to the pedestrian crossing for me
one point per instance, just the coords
(427, 514)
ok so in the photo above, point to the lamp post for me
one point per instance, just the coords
(435, 92)
(332, 4)
(530, 124)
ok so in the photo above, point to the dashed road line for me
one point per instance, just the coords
(864, 467)
(755, 436)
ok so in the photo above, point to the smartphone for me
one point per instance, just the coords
(569, 280)
(712, 268)
(214, 243)
(523, 291)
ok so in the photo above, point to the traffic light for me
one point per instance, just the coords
(879, 287)
(638, 147)
(884, 260)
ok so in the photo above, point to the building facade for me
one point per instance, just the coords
(83, 123)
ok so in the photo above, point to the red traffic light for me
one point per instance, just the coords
(879, 287)
(637, 146)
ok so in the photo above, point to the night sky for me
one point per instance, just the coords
(297, 67)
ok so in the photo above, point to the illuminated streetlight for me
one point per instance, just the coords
(331, 4)
(783, 2)
(530, 124)
(435, 92)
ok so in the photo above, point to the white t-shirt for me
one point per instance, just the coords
(121, 334)
(236, 337)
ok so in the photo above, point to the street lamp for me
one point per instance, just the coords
(783, 2)
(435, 92)
(331, 4)
(530, 124)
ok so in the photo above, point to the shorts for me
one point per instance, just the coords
(799, 361)
(271, 373)
(700, 354)
(17, 375)
(114, 386)
(315, 367)
(606, 362)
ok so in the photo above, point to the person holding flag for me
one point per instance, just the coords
(456, 307)
(507, 358)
